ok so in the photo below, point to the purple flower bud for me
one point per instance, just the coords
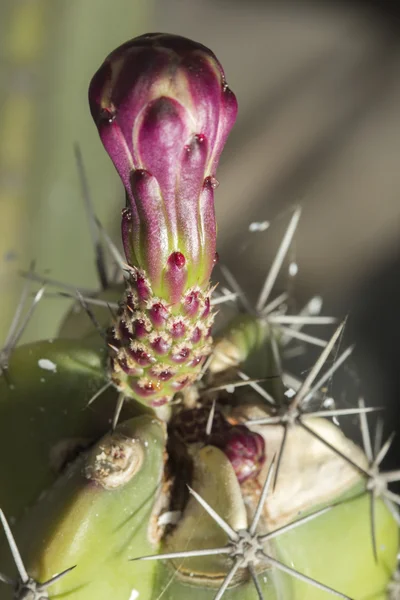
(246, 451)
(164, 112)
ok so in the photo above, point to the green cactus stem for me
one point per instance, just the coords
(43, 401)
(97, 515)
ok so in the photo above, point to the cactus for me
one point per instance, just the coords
(141, 459)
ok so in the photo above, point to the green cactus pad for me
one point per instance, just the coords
(336, 549)
(240, 339)
(79, 521)
(43, 399)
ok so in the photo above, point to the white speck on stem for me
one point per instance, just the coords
(134, 595)
(47, 365)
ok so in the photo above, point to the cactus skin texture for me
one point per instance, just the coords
(237, 494)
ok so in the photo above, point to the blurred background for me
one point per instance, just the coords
(318, 85)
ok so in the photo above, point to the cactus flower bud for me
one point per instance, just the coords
(246, 452)
(164, 111)
(244, 448)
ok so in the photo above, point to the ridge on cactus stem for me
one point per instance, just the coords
(163, 111)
